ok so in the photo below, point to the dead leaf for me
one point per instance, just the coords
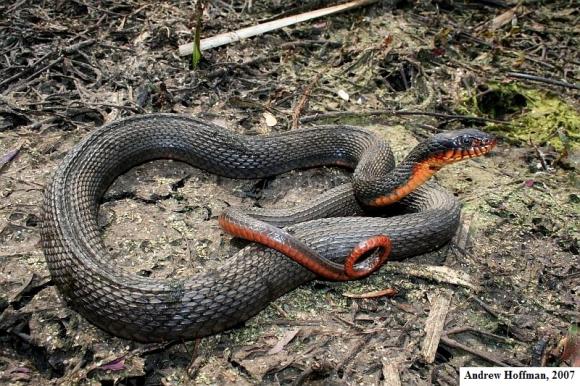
(258, 367)
(343, 95)
(19, 374)
(141, 38)
(270, 119)
(114, 365)
(9, 156)
(390, 292)
(287, 338)
(387, 41)
(503, 19)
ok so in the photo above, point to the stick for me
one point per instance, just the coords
(377, 113)
(434, 326)
(460, 330)
(440, 274)
(391, 374)
(520, 75)
(25, 82)
(303, 102)
(540, 155)
(492, 358)
(230, 37)
(27, 69)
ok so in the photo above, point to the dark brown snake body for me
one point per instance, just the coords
(148, 309)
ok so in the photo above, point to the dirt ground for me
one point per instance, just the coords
(506, 289)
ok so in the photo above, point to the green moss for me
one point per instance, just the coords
(533, 114)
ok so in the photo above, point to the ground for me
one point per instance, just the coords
(503, 292)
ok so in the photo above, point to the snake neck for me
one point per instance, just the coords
(404, 179)
(416, 169)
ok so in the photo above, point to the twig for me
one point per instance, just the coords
(77, 46)
(9, 156)
(454, 344)
(492, 3)
(343, 114)
(15, 6)
(303, 102)
(486, 307)
(389, 292)
(434, 325)
(287, 338)
(540, 155)
(353, 352)
(280, 310)
(460, 330)
(21, 73)
(24, 83)
(264, 58)
(78, 374)
(197, 361)
(520, 75)
(67, 50)
(230, 37)
(462, 237)
(227, 66)
(310, 43)
(347, 322)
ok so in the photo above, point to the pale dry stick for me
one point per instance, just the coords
(391, 374)
(234, 36)
(439, 274)
(462, 237)
(434, 325)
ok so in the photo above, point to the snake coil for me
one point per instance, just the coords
(148, 309)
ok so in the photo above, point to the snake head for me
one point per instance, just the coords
(452, 146)
(428, 157)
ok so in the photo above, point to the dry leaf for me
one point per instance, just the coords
(503, 19)
(115, 365)
(270, 119)
(9, 156)
(343, 95)
(287, 338)
(141, 38)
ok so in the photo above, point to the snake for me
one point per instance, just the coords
(382, 199)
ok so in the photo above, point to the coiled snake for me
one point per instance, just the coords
(148, 309)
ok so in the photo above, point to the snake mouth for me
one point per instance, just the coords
(455, 155)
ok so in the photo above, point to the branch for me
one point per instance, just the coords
(230, 37)
(520, 75)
